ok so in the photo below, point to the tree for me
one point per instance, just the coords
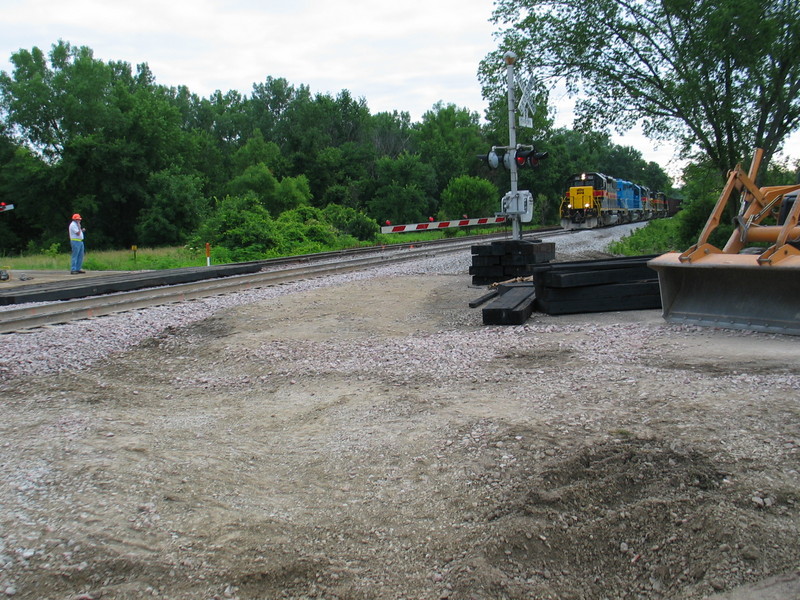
(391, 133)
(51, 104)
(719, 78)
(267, 104)
(26, 183)
(102, 131)
(448, 139)
(404, 188)
(276, 196)
(174, 208)
(257, 150)
(472, 196)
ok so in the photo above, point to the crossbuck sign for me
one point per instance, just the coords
(525, 106)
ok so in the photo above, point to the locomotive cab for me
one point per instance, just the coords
(586, 201)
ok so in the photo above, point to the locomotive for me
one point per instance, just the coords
(597, 200)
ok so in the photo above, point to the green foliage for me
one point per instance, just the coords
(471, 196)
(174, 208)
(448, 138)
(350, 222)
(276, 196)
(139, 160)
(306, 227)
(703, 74)
(404, 190)
(692, 219)
(292, 193)
(258, 151)
(243, 226)
(256, 179)
(656, 237)
(239, 228)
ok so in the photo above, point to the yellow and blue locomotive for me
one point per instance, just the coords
(598, 200)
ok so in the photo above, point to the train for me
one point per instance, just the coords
(598, 200)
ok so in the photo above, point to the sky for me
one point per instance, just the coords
(403, 55)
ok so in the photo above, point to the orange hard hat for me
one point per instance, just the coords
(76, 217)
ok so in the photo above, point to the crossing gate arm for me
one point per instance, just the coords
(431, 226)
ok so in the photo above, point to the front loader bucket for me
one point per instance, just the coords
(733, 291)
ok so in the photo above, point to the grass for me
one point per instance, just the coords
(144, 259)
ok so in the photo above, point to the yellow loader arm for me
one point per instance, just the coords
(736, 287)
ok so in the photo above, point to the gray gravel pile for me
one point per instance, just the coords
(77, 345)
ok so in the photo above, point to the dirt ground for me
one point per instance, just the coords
(375, 441)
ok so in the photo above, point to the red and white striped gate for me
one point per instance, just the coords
(442, 224)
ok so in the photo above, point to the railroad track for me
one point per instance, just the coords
(275, 272)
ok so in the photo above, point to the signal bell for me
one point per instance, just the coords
(492, 158)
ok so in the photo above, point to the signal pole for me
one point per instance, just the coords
(517, 205)
(510, 58)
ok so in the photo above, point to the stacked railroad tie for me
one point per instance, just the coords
(503, 263)
(597, 286)
(574, 287)
(507, 259)
(512, 304)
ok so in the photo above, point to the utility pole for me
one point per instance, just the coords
(517, 205)
(510, 58)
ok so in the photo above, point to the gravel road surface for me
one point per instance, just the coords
(365, 437)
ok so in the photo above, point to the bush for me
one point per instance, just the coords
(243, 226)
(471, 196)
(656, 237)
(350, 222)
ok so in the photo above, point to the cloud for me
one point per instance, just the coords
(211, 45)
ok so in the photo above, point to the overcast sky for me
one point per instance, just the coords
(403, 55)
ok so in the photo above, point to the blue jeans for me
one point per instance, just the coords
(77, 256)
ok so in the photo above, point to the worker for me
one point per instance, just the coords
(76, 232)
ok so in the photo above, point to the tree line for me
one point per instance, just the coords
(717, 79)
(151, 165)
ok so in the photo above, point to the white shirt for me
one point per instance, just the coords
(75, 231)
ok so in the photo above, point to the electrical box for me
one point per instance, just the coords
(518, 204)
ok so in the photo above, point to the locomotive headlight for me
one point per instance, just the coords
(569, 205)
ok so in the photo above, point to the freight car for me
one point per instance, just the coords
(597, 200)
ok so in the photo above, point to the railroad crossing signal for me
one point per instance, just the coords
(4, 207)
(530, 157)
(522, 157)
